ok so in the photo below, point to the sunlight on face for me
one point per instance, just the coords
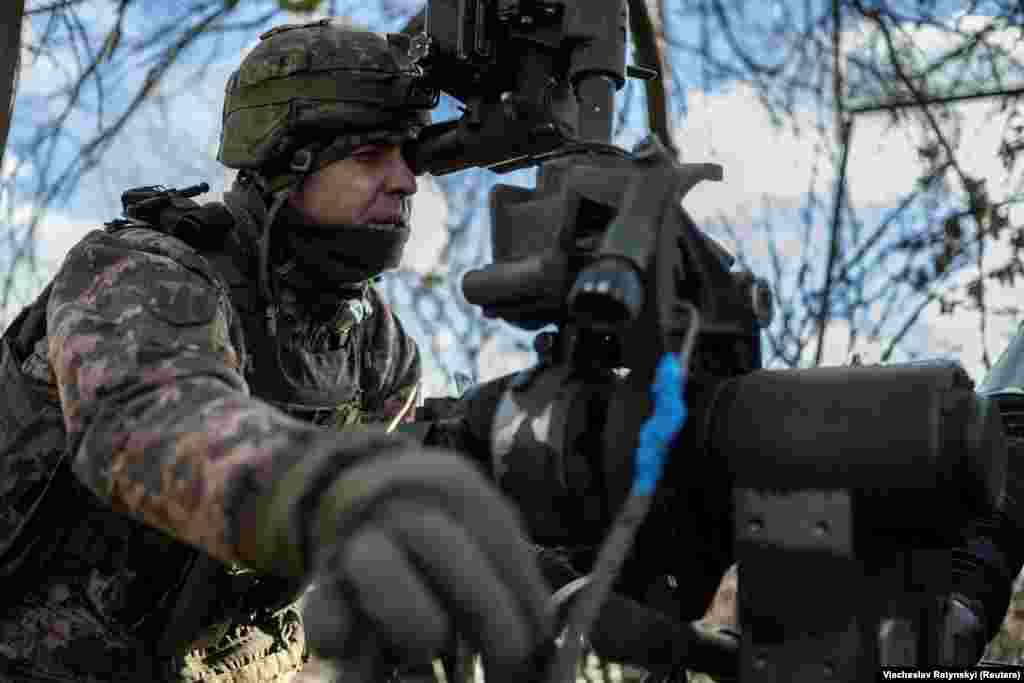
(368, 186)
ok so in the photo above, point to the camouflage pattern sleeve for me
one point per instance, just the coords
(392, 366)
(157, 412)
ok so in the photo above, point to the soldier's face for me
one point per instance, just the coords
(368, 186)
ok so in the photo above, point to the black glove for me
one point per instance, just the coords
(962, 638)
(411, 547)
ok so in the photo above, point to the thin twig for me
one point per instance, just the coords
(52, 7)
(845, 129)
(932, 100)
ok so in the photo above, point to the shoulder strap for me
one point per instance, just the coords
(29, 325)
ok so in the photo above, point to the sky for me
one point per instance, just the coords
(761, 160)
(177, 147)
(734, 130)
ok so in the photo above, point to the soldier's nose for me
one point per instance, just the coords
(401, 179)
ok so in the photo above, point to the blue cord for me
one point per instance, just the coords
(665, 422)
(656, 435)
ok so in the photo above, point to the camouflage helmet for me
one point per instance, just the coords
(320, 81)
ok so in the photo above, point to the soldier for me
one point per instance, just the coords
(182, 433)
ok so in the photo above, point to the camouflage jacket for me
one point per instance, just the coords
(137, 427)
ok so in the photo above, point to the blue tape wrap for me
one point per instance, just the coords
(660, 429)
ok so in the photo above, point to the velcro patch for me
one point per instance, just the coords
(183, 303)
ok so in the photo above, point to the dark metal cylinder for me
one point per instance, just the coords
(596, 97)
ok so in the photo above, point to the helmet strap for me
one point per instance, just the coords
(302, 165)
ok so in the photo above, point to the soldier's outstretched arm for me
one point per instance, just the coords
(414, 542)
(155, 404)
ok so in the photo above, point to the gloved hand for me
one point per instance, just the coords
(962, 637)
(411, 547)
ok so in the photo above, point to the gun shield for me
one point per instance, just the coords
(918, 449)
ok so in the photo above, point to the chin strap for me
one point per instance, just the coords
(301, 167)
(263, 250)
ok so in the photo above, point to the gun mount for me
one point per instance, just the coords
(858, 476)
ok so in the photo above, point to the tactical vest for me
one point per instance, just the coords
(206, 621)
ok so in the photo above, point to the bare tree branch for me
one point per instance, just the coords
(844, 127)
(44, 9)
(10, 58)
(88, 156)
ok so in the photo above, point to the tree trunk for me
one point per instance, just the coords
(11, 13)
(649, 54)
